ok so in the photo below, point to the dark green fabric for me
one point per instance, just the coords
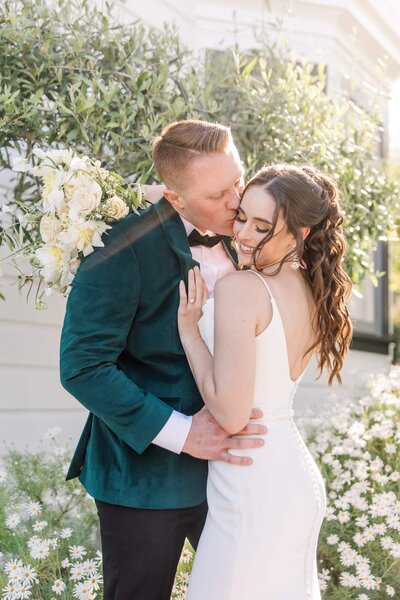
(121, 357)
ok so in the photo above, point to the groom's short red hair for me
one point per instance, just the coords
(181, 142)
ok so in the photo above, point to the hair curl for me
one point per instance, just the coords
(309, 198)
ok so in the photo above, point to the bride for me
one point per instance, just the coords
(289, 302)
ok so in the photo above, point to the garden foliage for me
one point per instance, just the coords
(72, 76)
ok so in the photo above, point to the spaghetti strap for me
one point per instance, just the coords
(264, 282)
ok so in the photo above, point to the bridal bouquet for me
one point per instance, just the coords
(79, 201)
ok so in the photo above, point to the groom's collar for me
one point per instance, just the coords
(189, 227)
(177, 229)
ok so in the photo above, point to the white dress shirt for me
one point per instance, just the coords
(214, 264)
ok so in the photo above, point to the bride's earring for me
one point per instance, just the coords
(295, 263)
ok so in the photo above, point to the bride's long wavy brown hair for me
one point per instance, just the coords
(309, 198)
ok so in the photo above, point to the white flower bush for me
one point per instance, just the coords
(50, 546)
(357, 449)
(49, 539)
(79, 201)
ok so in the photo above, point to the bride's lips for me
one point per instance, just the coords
(245, 249)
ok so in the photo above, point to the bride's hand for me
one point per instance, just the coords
(191, 304)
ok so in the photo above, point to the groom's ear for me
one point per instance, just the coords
(174, 199)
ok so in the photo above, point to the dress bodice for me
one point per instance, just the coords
(274, 389)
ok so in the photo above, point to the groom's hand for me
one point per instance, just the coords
(208, 440)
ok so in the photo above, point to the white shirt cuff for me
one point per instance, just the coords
(174, 433)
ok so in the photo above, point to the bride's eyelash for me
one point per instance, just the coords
(240, 220)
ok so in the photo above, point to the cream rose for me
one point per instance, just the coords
(85, 198)
(115, 208)
(50, 227)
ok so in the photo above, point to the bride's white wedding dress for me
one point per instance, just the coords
(260, 538)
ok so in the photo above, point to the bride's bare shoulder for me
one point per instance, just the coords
(243, 282)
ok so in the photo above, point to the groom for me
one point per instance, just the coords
(144, 449)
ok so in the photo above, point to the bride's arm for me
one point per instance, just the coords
(225, 381)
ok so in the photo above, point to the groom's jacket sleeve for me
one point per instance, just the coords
(100, 311)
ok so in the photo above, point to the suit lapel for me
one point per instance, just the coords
(175, 233)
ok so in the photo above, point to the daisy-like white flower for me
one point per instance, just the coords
(330, 514)
(77, 572)
(33, 508)
(77, 552)
(360, 539)
(39, 526)
(348, 557)
(393, 521)
(363, 569)
(395, 551)
(65, 563)
(13, 521)
(390, 591)
(40, 549)
(89, 567)
(343, 516)
(58, 586)
(362, 597)
(183, 578)
(324, 575)
(10, 591)
(362, 521)
(83, 591)
(348, 580)
(332, 540)
(23, 591)
(13, 566)
(369, 582)
(379, 528)
(29, 575)
(14, 578)
(65, 533)
(387, 542)
(95, 580)
(186, 556)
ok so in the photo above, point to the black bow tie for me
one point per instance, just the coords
(196, 239)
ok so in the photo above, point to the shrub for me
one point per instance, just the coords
(70, 76)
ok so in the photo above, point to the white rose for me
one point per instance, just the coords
(85, 197)
(116, 208)
(50, 227)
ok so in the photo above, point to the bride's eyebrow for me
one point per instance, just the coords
(240, 209)
(263, 220)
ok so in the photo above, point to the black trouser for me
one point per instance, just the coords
(142, 547)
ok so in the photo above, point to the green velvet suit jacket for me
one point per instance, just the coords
(121, 357)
